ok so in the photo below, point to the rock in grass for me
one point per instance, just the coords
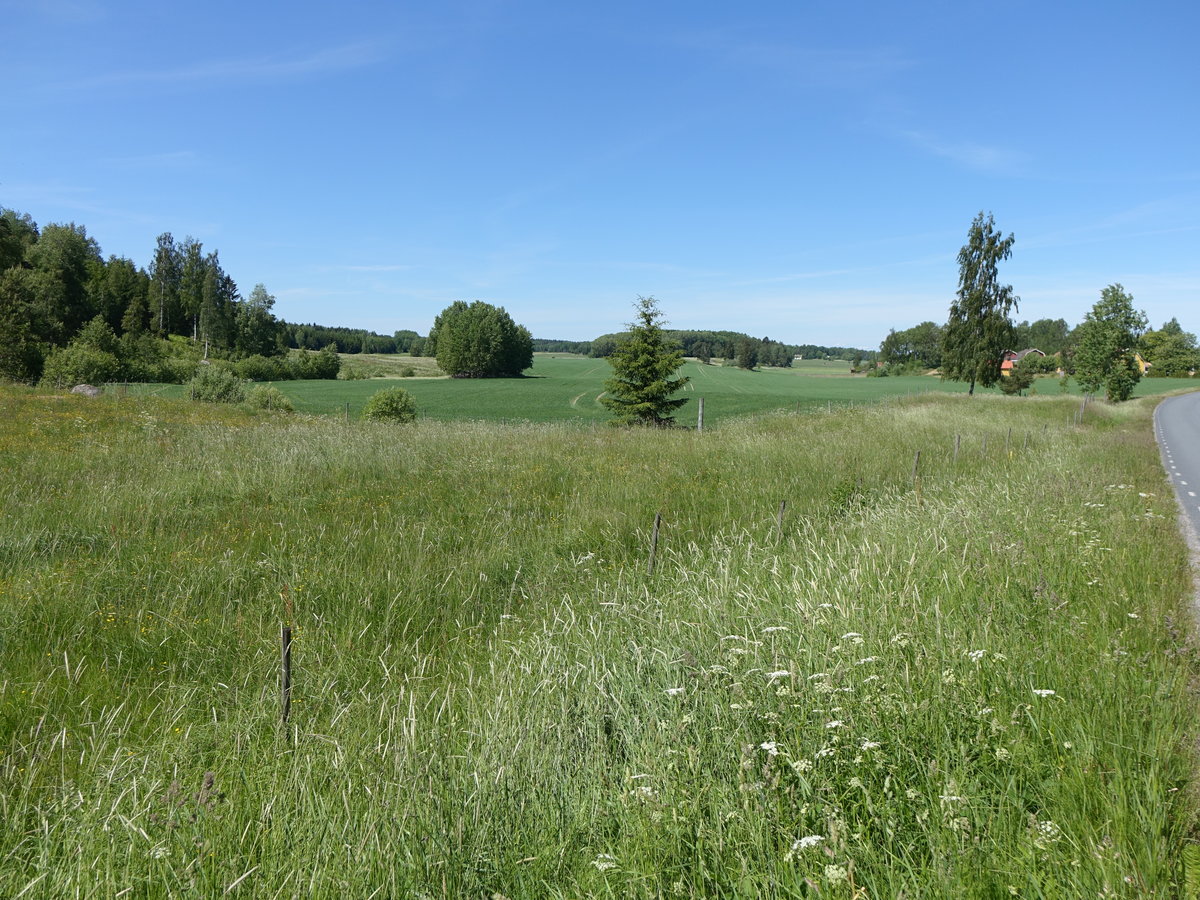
(87, 390)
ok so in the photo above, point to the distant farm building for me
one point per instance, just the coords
(1011, 357)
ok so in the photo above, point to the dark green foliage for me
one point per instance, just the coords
(324, 364)
(1107, 342)
(1018, 381)
(747, 353)
(920, 345)
(479, 341)
(641, 387)
(263, 368)
(1171, 351)
(547, 345)
(213, 384)
(979, 329)
(20, 348)
(1048, 335)
(78, 364)
(390, 405)
(348, 340)
(92, 357)
(256, 325)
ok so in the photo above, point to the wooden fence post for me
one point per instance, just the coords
(916, 464)
(700, 416)
(779, 519)
(957, 439)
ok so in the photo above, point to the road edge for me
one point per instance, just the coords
(1186, 528)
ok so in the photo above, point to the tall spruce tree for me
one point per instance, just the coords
(642, 384)
(979, 329)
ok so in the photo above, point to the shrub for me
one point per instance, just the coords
(408, 372)
(80, 364)
(390, 405)
(215, 385)
(262, 368)
(324, 364)
(264, 396)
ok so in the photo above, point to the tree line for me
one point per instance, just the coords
(1101, 352)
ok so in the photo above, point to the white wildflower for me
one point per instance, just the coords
(1003, 754)
(809, 840)
(824, 606)
(1046, 834)
(836, 723)
(976, 655)
(781, 673)
(733, 637)
(802, 765)
(771, 747)
(867, 659)
(771, 629)
(853, 637)
(604, 861)
(673, 692)
(1044, 692)
(817, 675)
(870, 745)
(1133, 615)
(835, 874)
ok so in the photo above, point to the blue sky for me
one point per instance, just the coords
(804, 171)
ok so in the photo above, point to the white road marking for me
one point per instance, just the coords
(1191, 493)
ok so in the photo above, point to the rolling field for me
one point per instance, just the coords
(563, 388)
(976, 682)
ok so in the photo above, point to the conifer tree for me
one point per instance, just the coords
(639, 391)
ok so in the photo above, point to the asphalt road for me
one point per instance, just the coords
(1177, 426)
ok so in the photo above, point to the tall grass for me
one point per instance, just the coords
(971, 684)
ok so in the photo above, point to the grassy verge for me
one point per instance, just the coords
(970, 684)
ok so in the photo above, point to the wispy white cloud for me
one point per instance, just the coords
(274, 67)
(990, 160)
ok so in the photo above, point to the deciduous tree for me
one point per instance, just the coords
(1107, 342)
(478, 340)
(979, 329)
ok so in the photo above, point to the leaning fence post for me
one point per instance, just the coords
(916, 463)
(285, 674)
(779, 519)
(654, 543)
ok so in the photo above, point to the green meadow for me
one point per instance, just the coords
(561, 388)
(849, 673)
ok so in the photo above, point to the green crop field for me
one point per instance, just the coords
(840, 675)
(562, 388)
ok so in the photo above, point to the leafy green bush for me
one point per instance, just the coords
(324, 364)
(263, 368)
(390, 405)
(80, 364)
(408, 372)
(216, 385)
(264, 396)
